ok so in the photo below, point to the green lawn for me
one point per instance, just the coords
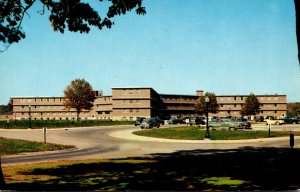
(197, 133)
(13, 146)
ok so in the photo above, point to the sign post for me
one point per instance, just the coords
(292, 142)
(269, 125)
(45, 134)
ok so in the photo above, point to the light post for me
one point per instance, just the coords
(29, 116)
(207, 129)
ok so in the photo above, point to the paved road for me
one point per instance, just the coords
(112, 142)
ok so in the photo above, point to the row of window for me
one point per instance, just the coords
(104, 99)
(131, 91)
(242, 98)
(43, 107)
(130, 110)
(178, 98)
(67, 118)
(124, 101)
(41, 100)
(237, 112)
(262, 105)
(53, 113)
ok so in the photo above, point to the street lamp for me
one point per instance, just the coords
(207, 130)
(29, 116)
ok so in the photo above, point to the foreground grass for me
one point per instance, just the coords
(244, 169)
(197, 133)
(13, 146)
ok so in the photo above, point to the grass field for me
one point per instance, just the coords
(197, 133)
(13, 146)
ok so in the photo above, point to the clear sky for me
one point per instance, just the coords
(178, 47)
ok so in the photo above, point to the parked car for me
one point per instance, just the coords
(243, 123)
(196, 121)
(174, 120)
(182, 120)
(290, 120)
(138, 120)
(223, 124)
(158, 119)
(149, 123)
(274, 121)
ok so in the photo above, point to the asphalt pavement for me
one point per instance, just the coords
(119, 142)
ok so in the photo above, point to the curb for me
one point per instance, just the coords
(128, 134)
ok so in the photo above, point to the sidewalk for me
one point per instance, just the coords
(128, 134)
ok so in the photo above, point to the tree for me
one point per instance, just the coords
(201, 106)
(79, 95)
(251, 106)
(77, 15)
(293, 109)
(6, 109)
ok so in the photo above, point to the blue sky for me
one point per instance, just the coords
(221, 46)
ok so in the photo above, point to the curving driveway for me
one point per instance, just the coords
(115, 142)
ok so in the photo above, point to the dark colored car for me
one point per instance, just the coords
(174, 120)
(290, 120)
(196, 121)
(149, 123)
(245, 125)
(139, 120)
(159, 120)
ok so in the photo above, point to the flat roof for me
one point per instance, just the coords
(132, 87)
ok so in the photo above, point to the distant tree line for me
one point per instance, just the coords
(6, 109)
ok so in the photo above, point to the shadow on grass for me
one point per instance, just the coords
(237, 169)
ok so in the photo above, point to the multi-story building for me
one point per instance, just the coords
(127, 103)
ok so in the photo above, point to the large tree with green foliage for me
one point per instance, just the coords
(251, 106)
(79, 95)
(201, 105)
(75, 15)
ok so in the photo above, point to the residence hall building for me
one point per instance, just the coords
(127, 103)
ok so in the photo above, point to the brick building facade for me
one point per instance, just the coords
(127, 103)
